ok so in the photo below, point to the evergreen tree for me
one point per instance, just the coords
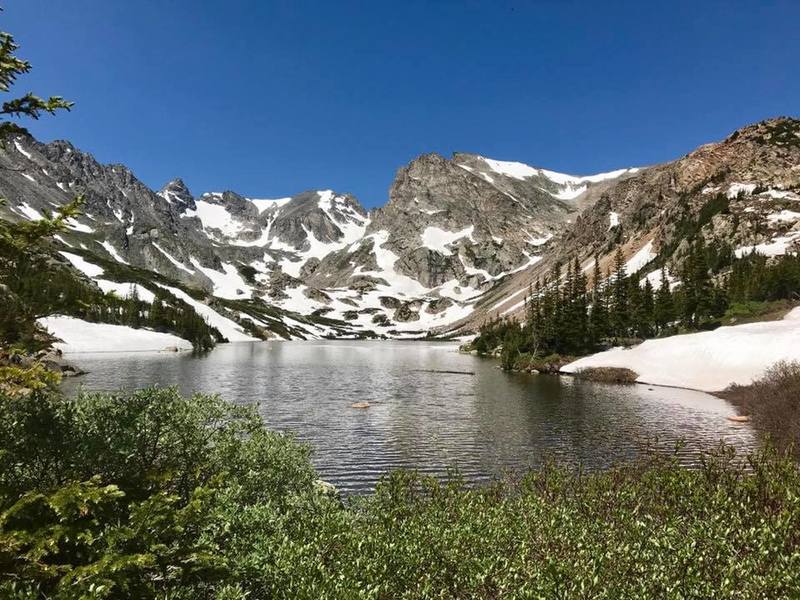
(618, 311)
(21, 253)
(598, 316)
(664, 307)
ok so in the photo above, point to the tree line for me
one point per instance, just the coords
(41, 288)
(569, 312)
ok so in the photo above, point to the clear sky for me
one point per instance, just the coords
(273, 98)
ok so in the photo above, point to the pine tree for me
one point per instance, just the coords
(664, 307)
(581, 307)
(646, 318)
(20, 243)
(618, 312)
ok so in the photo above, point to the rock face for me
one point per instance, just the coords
(458, 239)
(743, 192)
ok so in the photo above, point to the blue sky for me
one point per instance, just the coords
(273, 98)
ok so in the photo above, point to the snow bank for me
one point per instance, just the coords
(708, 361)
(83, 336)
(227, 327)
(438, 240)
(87, 268)
(640, 259)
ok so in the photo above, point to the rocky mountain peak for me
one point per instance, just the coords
(177, 192)
(453, 228)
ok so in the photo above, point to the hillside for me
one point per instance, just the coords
(742, 193)
(459, 241)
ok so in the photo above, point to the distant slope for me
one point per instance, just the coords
(743, 191)
(459, 240)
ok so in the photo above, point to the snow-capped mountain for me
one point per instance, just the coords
(450, 231)
(742, 193)
(459, 239)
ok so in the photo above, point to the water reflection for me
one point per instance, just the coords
(482, 424)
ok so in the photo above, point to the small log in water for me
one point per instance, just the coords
(439, 371)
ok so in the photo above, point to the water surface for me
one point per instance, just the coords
(484, 424)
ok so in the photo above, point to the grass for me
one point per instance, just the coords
(752, 311)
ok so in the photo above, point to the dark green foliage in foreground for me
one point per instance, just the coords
(114, 496)
(155, 496)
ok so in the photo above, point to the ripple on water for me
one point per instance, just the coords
(483, 424)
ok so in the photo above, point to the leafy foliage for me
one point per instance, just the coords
(133, 496)
(156, 496)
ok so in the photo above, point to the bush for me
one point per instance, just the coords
(151, 495)
(608, 374)
(137, 494)
(773, 402)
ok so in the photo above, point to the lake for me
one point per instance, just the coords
(484, 424)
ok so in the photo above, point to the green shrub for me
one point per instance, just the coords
(608, 374)
(773, 402)
(151, 495)
(137, 494)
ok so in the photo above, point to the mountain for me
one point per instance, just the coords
(459, 240)
(742, 193)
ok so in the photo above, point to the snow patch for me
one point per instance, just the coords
(63, 241)
(540, 241)
(125, 290)
(76, 226)
(172, 259)
(783, 216)
(230, 329)
(640, 259)
(438, 239)
(654, 277)
(228, 283)
(777, 247)
(29, 212)
(83, 336)
(740, 188)
(214, 216)
(113, 252)
(263, 204)
(87, 268)
(709, 360)
(22, 150)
